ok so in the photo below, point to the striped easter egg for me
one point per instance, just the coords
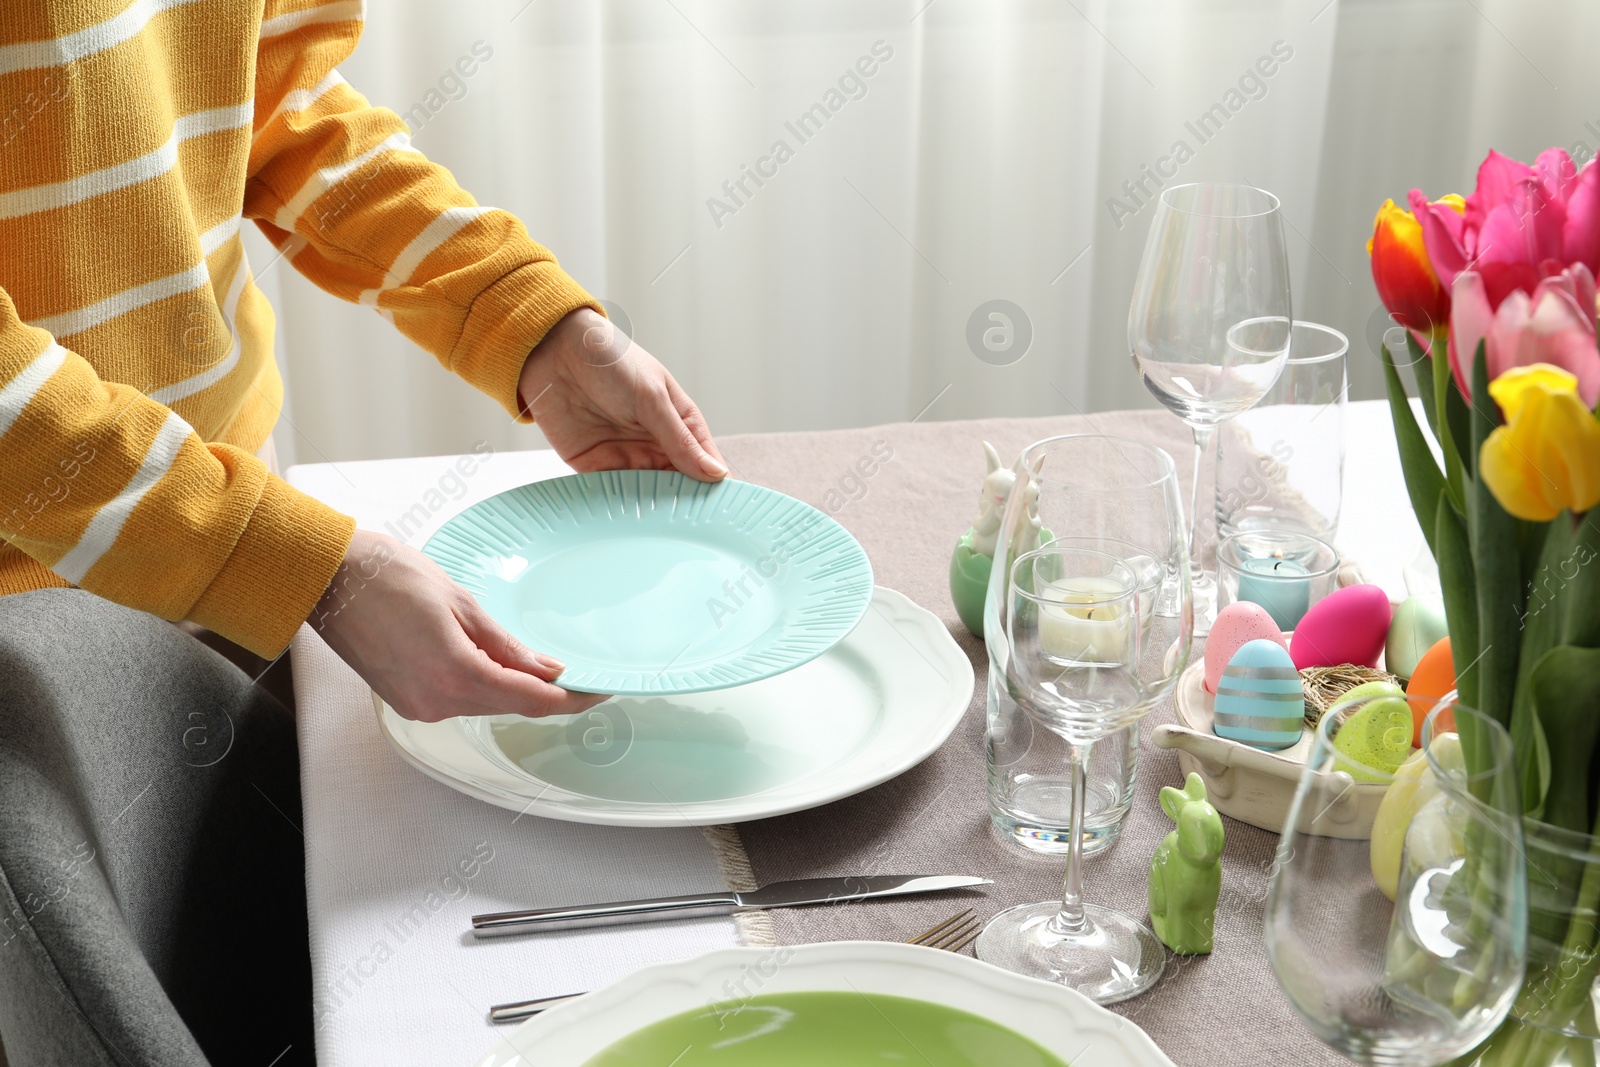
(1259, 698)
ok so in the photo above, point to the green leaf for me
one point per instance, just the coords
(1579, 571)
(1544, 547)
(1452, 427)
(1424, 482)
(1457, 418)
(1497, 560)
(1566, 691)
(1427, 389)
(1457, 583)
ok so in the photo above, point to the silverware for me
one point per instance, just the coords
(952, 935)
(776, 895)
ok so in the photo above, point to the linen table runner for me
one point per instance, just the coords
(907, 510)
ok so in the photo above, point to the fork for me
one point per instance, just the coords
(952, 935)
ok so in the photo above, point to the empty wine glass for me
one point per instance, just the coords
(1209, 324)
(1075, 641)
(1078, 485)
(1408, 949)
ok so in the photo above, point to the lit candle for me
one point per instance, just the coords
(1280, 585)
(1084, 629)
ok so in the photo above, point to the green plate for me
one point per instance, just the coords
(647, 582)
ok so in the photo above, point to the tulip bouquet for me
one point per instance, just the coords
(1496, 291)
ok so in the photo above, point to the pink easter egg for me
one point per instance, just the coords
(1237, 624)
(1348, 625)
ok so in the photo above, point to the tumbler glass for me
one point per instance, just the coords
(1280, 465)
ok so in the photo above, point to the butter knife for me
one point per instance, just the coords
(776, 895)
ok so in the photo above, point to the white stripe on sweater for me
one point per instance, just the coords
(31, 55)
(446, 225)
(326, 178)
(108, 522)
(21, 389)
(300, 99)
(171, 394)
(342, 11)
(219, 235)
(152, 164)
(102, 311)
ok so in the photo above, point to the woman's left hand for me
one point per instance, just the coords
(604, 403)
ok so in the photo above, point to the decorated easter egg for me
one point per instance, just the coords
(1433, 677)
(1260, 701)
(1418, 625)
(1375, 738)
(1348, 625)
(1413, 787)
(1236, 624)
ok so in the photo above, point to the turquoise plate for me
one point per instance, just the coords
(647, 582)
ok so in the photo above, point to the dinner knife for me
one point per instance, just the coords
(776, 895)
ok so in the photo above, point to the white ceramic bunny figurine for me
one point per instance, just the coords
(997, 485)
(973, 558)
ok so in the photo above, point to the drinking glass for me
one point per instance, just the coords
(1073, 633)
(1423, 978)
(1075, 485)
(1209, 325)
(1280, 465)
(1030, 787)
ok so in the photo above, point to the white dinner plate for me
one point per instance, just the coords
(873, 706)
(1062, 1021)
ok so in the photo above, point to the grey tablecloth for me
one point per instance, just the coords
(907, 510)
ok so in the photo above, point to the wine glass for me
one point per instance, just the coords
(1094, 485)
(1406, 950)
(1209, 325)
(1076, 641)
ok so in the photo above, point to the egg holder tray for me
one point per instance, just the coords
(1253, 785)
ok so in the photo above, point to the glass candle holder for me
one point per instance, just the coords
(1283, 572)
(1280, 465)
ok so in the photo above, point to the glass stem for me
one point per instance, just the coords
(1202, 448)
(1069, 920)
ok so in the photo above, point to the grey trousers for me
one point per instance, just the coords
(152, 883)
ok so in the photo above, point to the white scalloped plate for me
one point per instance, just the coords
(873, 706)
(648, 582)
(1063, 1021)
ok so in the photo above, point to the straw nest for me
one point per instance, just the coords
(1325, 685)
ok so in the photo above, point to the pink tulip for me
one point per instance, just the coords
(1555, 325)
(1522, 224)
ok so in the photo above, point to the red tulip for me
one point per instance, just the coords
(1406, 281)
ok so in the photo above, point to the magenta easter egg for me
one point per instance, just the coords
(1348, 625)
(1237, 625)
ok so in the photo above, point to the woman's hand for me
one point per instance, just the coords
(425, 646)
(604, 403)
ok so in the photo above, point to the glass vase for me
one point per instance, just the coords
(1552, 1023)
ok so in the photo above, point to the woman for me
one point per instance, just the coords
(137, 387)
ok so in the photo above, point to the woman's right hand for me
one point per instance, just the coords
(425, 646)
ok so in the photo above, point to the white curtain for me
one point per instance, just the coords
(984, 158)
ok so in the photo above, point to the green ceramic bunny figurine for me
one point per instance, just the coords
(1186, 871)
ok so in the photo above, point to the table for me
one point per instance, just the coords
(396, 862)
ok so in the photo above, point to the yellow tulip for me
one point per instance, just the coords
(1546, 458)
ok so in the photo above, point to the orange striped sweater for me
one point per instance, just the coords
(136, 371)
